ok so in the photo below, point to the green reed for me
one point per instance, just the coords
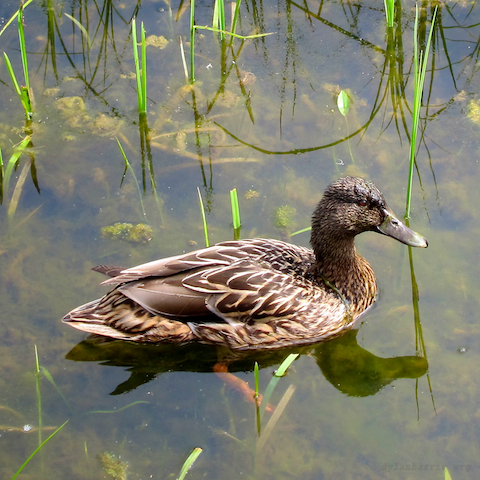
(218, 20)
(24, 93)
(235, 214)
(189, 462)
(192, 41)
(204, 218)
(389, 11)
(420, 70)
(38, 370)
(257, 396)
(141, 73)
(39, 395)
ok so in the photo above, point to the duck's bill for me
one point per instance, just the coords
(396, 229)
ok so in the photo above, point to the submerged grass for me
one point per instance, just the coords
(129, 167)
(279, 373)
(27, 461)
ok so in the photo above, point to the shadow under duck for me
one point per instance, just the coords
(254, 294)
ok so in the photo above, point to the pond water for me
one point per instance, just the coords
(262, 117)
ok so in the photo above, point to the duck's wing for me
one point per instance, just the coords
(220, 254)
(236, 286)
(249, 292)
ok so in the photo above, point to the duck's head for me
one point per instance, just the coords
(351, 206)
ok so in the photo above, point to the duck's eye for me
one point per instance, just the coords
(362, 203)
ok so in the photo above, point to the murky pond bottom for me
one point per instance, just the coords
(396, 398)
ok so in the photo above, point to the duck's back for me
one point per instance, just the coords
(248, 294)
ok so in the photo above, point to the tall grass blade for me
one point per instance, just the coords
(221, 17)
(16, 86)
(23, 49)
(189, 462)
(12, 18)
(420, 70)
(389, 12)
(140, 74)
(235, 214)
(22, 92)
(235, 16)
(215, 18)
(39, 396)
(144, 71)
(37, 450)
(257, 396)
(447, 474)
(192, 41)
(204, 218)
(257, 378)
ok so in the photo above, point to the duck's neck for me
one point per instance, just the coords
(339, 263)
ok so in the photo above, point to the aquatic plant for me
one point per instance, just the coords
(219, 27)
(189, 462)
(420, 70)
(141, 73)
(6, 174)
(24, 92)
(113, 466)
(343, 105)
(389, 11)
(204, 218)
(39, 448)
(235, 214)
(41, 444)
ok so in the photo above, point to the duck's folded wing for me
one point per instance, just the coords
(247, 292)
(217, 255)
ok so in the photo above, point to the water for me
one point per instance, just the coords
(364, 406)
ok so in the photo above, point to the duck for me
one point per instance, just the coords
(254, 294)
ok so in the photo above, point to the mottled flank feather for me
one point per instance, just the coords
(252, 294)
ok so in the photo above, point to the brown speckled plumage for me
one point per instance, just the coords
(253, 294)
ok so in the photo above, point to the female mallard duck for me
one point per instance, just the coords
(254, 294)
